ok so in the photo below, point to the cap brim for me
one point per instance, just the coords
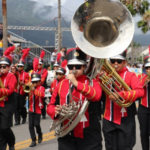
(60, 71)
(76, 62)
(118, 57)
(4, 63)
(20, 65)
(55, 65)
(147, 65)
(40, 63)
(35, 79)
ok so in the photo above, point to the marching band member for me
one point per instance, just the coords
(60, 75)
(118, 122)
(87, 134)
(7, 102)
(56, 65)
(43, 73)
(144, 105)
(36, 104)
(21, 101)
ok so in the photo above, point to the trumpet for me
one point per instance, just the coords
(27, 87)
(148, 74)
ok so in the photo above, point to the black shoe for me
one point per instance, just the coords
(23, 121)
(44, 117)
(40, 138)
(17, 123)
(12, 148)
(32, 144)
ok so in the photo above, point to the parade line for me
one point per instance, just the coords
(26, 143)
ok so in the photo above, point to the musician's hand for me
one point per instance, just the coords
(72, 79)
(21, 83)
(57, 110)
(101, 73)
(32, 88)
(113, 98)
(147, 80)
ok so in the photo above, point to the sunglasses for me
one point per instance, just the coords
(78, 67)
(20, 66)
(60, 74)
(119, 61)
(147, 68)
(4, 67)
(35, 81)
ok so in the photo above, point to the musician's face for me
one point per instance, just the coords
(13, 70)
(36, 83)
(147, 69)
(79, 68)
(4, 69)
(20, 68)
(40, 66)
(56, 67)
(59, 75)
(118, 64)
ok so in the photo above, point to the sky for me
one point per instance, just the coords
(67, 11)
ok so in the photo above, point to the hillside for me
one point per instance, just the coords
(20, 13)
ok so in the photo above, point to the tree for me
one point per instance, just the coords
(138, 7)
(144, 24)
(4, 8)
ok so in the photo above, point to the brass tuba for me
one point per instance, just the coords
(101, 29)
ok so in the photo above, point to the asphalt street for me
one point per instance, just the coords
(49, 140)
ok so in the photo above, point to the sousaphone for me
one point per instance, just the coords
(101, 29)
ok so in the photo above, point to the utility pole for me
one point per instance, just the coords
(4, 11)
(59, 25)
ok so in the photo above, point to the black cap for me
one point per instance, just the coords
(21, 63)
(56, 64)
(147, 61)
(61, 70)
(41, 61)
(35, 77)
(120, 56)
(5, 61)
(76, 56)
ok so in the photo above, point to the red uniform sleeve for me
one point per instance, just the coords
(51, 105)
(92, 93)
(40, 92)
(137, 90)
(44, 75)
(10, 86)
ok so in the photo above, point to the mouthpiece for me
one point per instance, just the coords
(74, 71)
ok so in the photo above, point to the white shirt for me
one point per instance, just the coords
(53, 57)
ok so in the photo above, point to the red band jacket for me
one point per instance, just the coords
(23, 77)
(36, 100)
(112, 111)
(43, 73)
(145, 100)
(55, 83)
(9, 81)
(82, 91)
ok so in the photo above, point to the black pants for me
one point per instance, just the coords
(144, 121)
(120, 137)
(34, 121)
(92, 141)
(6, 134)
(20, 108)
(44, 108)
